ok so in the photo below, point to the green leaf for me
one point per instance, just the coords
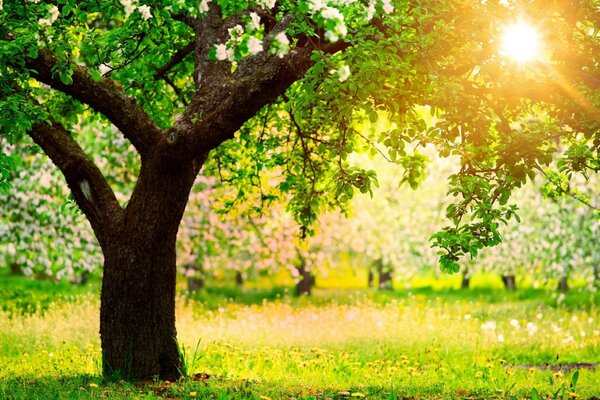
(66, 78)
(96, 76)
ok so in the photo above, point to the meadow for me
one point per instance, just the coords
(252, 343)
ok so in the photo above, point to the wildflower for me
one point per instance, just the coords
(93, 385)
(514, 323)
(358, 395)
(489, 326)
(145, 12)
(193, 394)
(479, 374)
(467, 317)
(500, 338)
(531, 328)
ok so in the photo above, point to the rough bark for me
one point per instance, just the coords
(509, 282)
(137, 312)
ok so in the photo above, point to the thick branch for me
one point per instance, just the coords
(90, 190)
(224, 101)
(105, 96)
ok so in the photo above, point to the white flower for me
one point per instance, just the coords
(331, 13)
(145, 11)
(254, 22)
(281, 46)
(316, 5)
(531, 328)
(255, 45)
(343, 73)
(221, 52)
(387, 6)
(467, 317)
(54, 13)
(283, 39)
(236, 33)
(514, 323)
(203, 7)
(129, 7)
(501, 338)
(489, 326)
(266, 3)
(371, 10)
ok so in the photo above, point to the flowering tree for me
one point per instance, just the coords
(190, 83)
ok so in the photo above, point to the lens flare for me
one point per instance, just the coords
(521, 42)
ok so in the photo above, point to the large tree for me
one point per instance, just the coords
(289, 82)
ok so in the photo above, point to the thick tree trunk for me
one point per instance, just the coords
(509, 282)
(563, 284)
(137, 312)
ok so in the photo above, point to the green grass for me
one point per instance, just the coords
(341, 344)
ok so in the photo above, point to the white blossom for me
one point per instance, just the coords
(255, 45)
(129, 7)
(145, 11)
(387, 6)
(331, 13)
(54, 13)
(282, 44)
(343, 73)
(203, 7)
(266, 3)
(221, 52)
(254, 22)
(316, 5)
(371, 10)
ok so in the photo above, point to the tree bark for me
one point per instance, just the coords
(307, 279)
(509, 282)
(15, 269)
(137, 312)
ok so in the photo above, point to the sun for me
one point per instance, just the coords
(521, 42)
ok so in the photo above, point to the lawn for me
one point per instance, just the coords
(340, 344)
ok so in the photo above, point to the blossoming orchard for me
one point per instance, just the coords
(324, 144)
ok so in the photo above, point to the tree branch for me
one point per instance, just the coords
(89, 187)
(175, 59)
(105, 96)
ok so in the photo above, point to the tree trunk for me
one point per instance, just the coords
(563, 284)
(370, 278)
(307, 280)
(385, 276)
(509, 282)
(137, 312)
(239, 279)
(15, 269)
(466, 281)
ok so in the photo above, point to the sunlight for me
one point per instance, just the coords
(520, 41)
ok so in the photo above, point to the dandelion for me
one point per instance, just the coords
(358, 395)
(467, 317)
(479, 374)
(93, 385)
(193, 394)
(531, 328)
(500, 338)
(514, 323)
(489, 326)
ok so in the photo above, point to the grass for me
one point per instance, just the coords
(341, 344)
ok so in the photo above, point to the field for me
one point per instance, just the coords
(340, 344)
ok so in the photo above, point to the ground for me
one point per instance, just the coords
(420, 343)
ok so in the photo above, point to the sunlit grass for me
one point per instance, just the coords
(385, 345)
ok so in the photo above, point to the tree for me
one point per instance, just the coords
(290, 83)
